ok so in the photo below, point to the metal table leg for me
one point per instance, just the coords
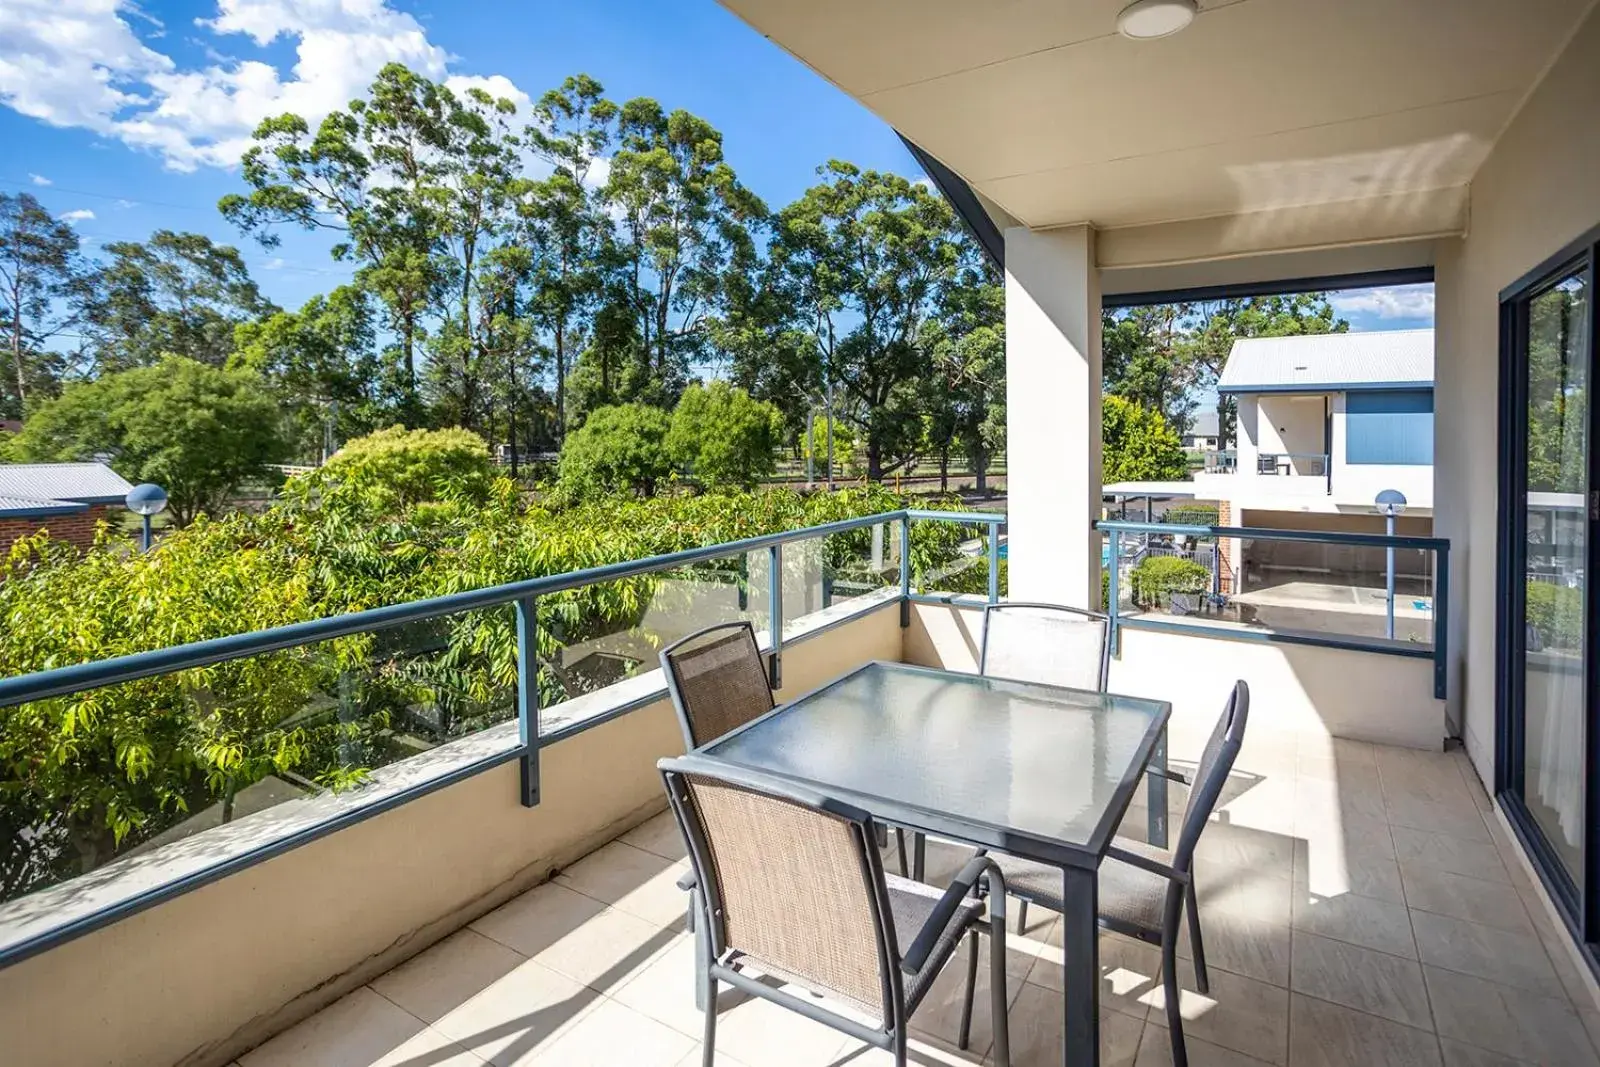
(1156, 794)
(1080, 938)
(919, 855)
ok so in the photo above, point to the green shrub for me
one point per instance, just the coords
(396, 468)
(1556, 615)
(1196, 514)
(723, 436)
(619, 448)
(1156, 578)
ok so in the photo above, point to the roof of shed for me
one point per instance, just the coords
(1330, 362)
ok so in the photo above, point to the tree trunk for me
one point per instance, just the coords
(16, 353)
(561, 383)
(944, 467)
(980, 469)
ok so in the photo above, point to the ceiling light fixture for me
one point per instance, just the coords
(1145, 20)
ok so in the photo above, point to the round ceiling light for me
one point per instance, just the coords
(1147, 19)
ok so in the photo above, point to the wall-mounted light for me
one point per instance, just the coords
(1144, 20)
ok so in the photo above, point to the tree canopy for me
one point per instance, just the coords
(723, 437)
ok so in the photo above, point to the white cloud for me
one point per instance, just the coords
(80, 63)
(40, 179)
(275, 263)
(1390, 302)
(82, 214)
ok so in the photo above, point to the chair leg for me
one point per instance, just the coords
(1022, 916)
(702, 952)
(900, 844)
(900, 1046)
(972, 988)
(1169, 980)
(1196, 947)
(708, 1048)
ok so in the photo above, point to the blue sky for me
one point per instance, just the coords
(128, 118)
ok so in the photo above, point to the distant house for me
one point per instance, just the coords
(67, 499)
(1202, 434)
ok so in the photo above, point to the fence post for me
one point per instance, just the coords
(994, 562)
(528, 697)
(775, 607)
(1113, 593)
(905, 570)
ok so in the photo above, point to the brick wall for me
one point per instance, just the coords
(78, 529)
(1227, 549)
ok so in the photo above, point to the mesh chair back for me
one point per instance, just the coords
(1216, 763)
(1045, 643)
(795, 888)
(717, 680)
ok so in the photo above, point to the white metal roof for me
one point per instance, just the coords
(86, 483)
(1154, 490)
(1329, 360)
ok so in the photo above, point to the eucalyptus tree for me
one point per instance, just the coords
(684, 221)
(868, 253)
(40, 290)
(177, 293)
(965, 390)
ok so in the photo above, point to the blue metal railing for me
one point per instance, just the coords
(1438, 651)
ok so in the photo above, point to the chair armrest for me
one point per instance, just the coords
(1170, 775)
(687, 881)
(1133, 859)
(916, 957)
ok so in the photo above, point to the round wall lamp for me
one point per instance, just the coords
(1145, 20)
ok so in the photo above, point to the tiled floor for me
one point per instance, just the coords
(1359, 908)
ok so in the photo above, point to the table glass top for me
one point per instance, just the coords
(1053, 764)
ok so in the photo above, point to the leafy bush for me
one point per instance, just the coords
(1195, 514)
(397, 468)
(1156, 578)
(618, 448)
(844, 445)
(1138, 443)
(723, 436)
(1556, 614)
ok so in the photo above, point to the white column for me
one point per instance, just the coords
(1053, 415)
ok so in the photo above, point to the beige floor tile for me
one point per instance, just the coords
(1510, 1021)
(1332, 871)
(538, 919)
(1458, 819)
(433, 982)
(1429, 777)
(1240, 1014)
(1332, 768)
(1360, 798)
(665, 991)
(361, 1029)
(605, 950)
(632, 880)
(1459, 1054)
(764, 1034)
(1557, 948)
(1365, 921)
(1327, 1035)
(612, 1034)
(1320, 746)
(1443, 852)
(660, 836)
(1129, 969)
(1516, 959)
(1036, 1028)
(1226, 846)
(1460, 897)
(921, 1053)
(1246, 946)
(694, 1059)
(1337, 833)
(1042, 941)
(939, 1014)
(518, 1014)
(1156, 1051)
(1268, 806)
(1360, 978)
(1245, 891)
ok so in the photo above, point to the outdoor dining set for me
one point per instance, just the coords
(1030, 762)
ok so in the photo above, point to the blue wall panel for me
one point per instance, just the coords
(1389, 427)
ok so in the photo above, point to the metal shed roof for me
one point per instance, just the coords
(85, 483)
(1330, 362)
(16, 507)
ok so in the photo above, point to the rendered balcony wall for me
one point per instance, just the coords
(198, 979)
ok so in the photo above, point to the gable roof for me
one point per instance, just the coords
(64, 487)
(1202, 423)
(1330, 362)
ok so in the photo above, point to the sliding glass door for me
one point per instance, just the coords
(1548, 692)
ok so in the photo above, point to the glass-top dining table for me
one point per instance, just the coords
(1034, 770)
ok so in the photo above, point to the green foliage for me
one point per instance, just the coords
(1191, 514)
(846, 456)
(197, 431)
(723, 437)
(1555, 613)
(41, 294)
(1138, 444)
(619, 448)
(1156, 578)
(397, 468)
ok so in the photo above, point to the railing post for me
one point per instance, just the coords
(528, 696)
(775, 606)
(1113, 593)
(1441, 622)
(994, 562)
(905, 570)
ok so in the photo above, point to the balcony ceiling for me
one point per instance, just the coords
(1258, 106)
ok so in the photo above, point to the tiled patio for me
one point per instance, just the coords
(1359, 904)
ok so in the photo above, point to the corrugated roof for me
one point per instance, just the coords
(87, 483)
(25, 507)
(1333, 360)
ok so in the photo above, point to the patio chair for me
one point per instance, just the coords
(1144, 889)
(1046, 643)
(795, 889)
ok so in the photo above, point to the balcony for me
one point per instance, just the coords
(494, 901)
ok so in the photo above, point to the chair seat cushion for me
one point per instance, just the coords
(912, 904)
(1128, 894)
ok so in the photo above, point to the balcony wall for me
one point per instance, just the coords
(198, 979)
